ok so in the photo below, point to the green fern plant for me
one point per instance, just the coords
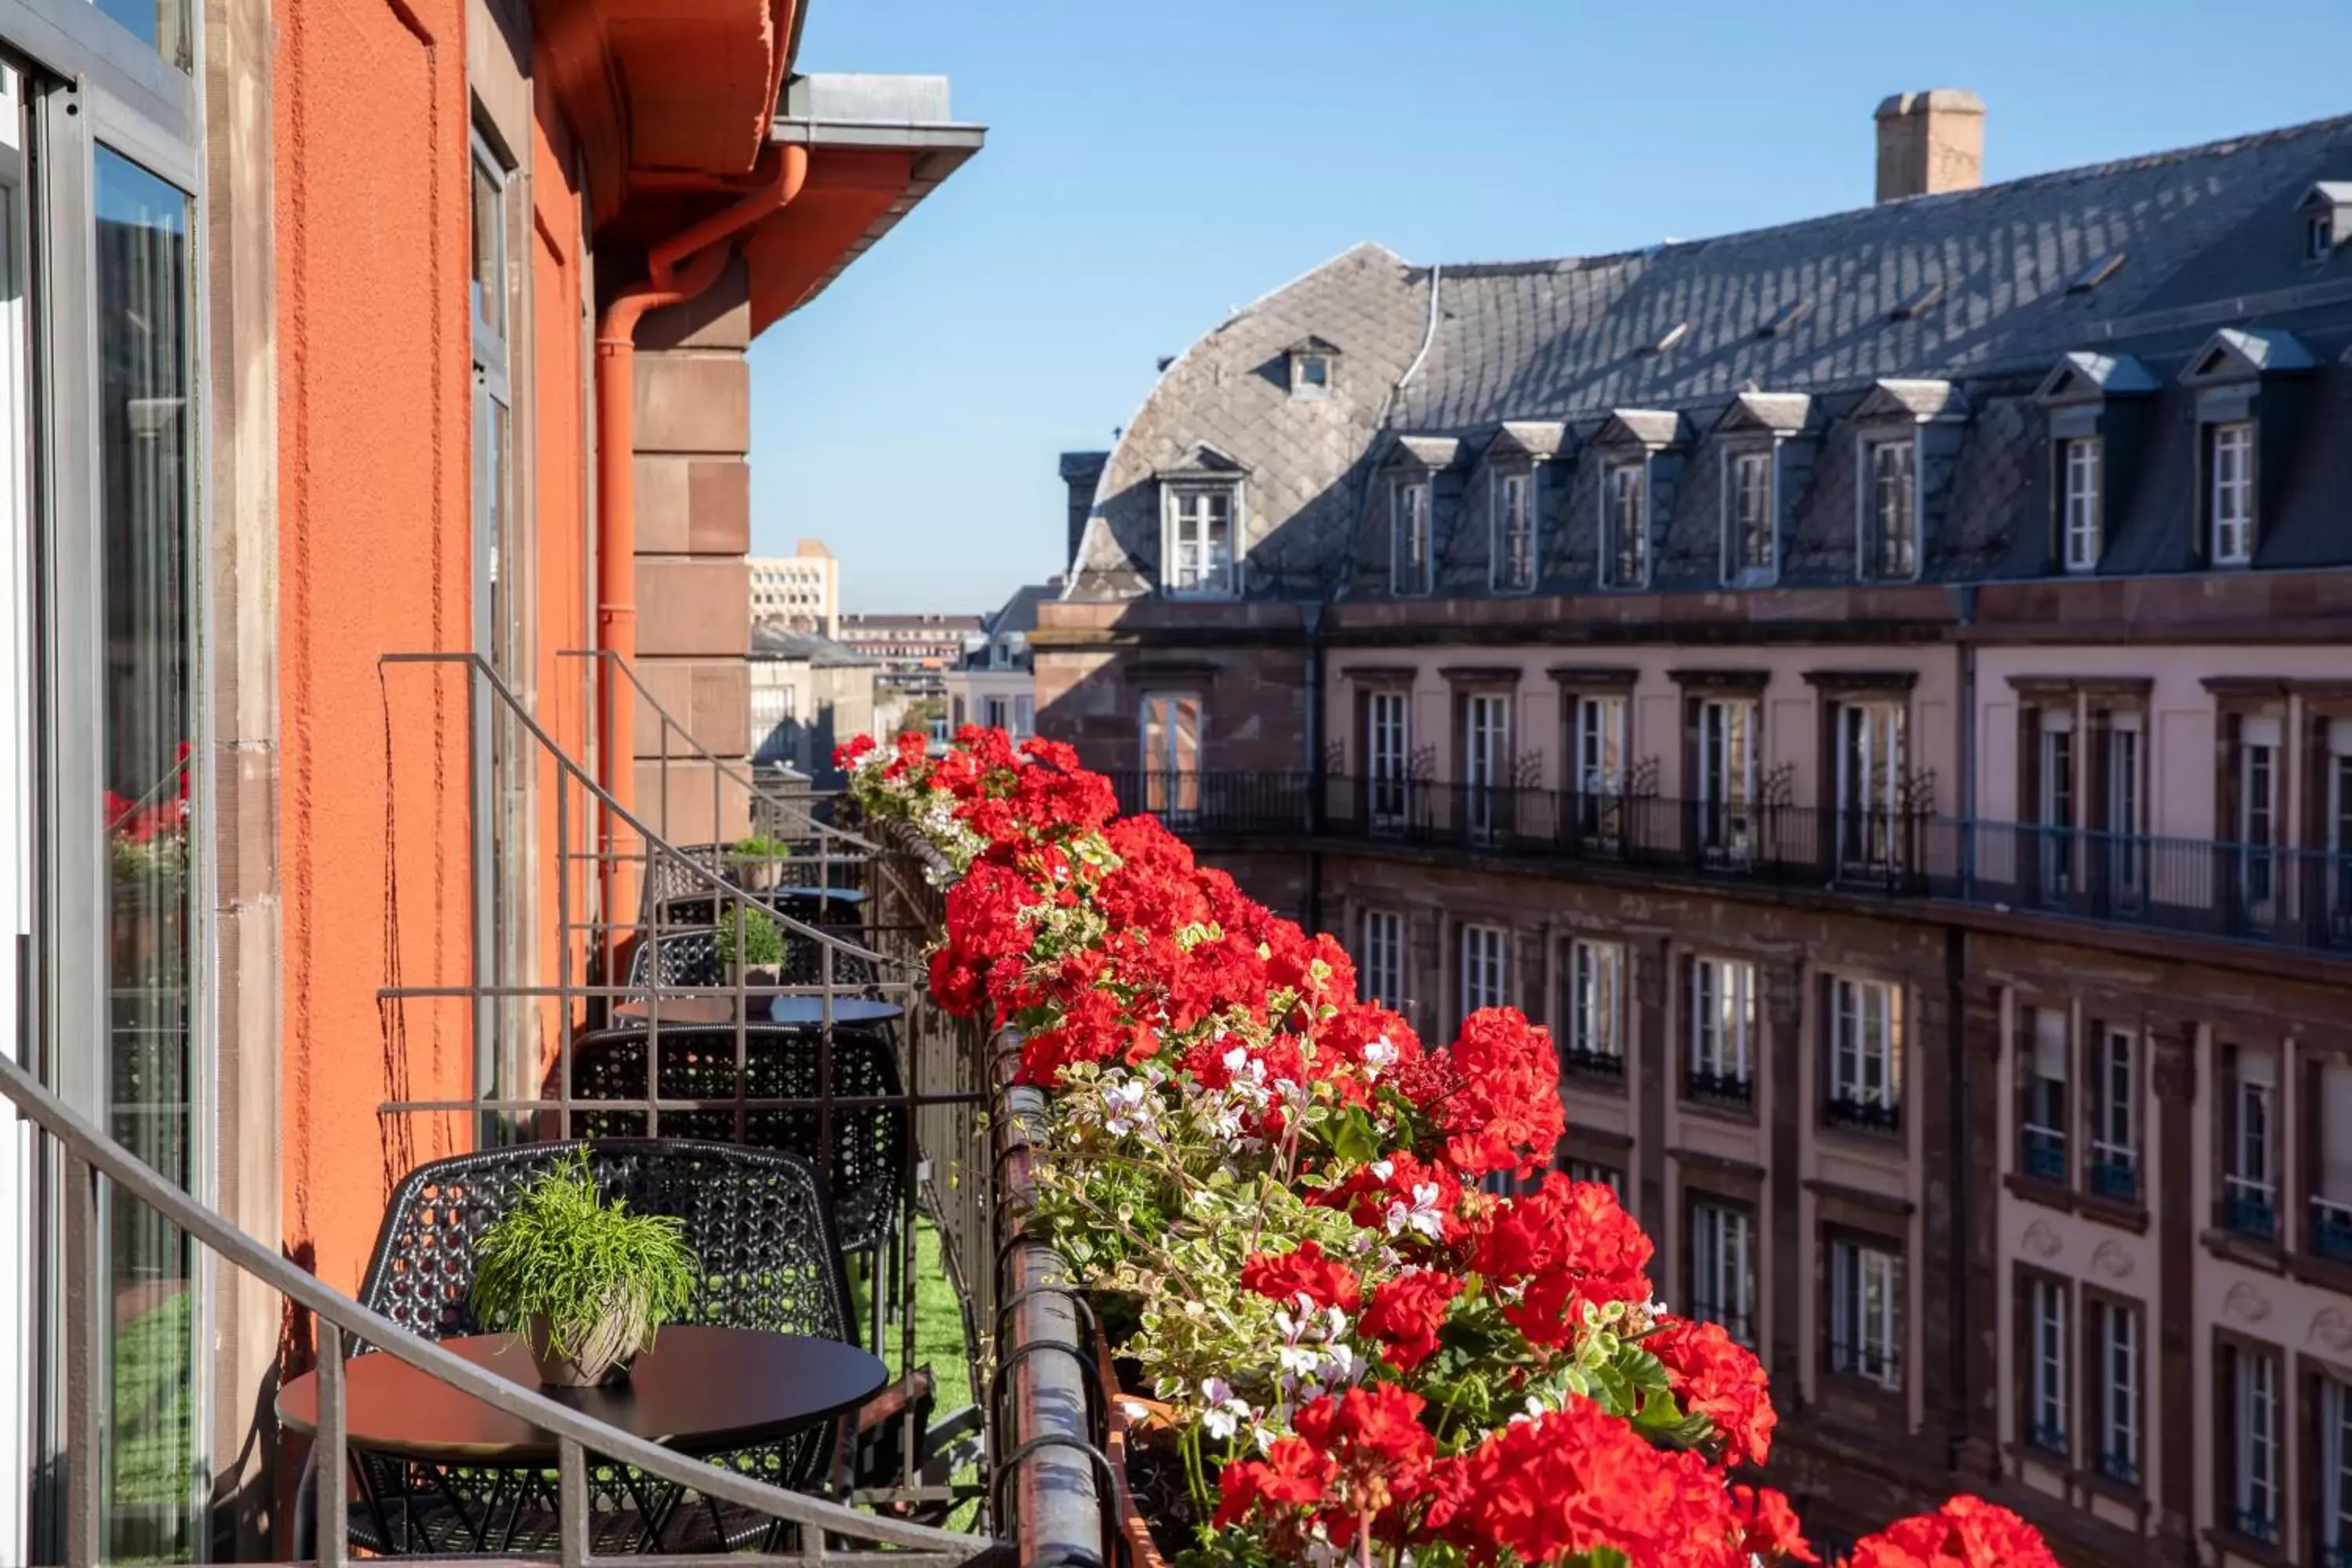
(592, 1280)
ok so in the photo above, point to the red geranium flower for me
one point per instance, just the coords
(1769, 1526)
(1285, 1277)
(1406, 1313)
(1712, 1376)
(1965, 1532)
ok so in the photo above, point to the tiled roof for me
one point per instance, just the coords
(769, 640)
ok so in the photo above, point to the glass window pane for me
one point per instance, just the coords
(161, 25)
(148, 725)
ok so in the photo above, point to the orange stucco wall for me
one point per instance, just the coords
(370, 107)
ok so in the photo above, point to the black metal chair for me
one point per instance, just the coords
(686, 960)
(761, 1222)
(864, 1155)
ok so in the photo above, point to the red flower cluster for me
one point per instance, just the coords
(1562, 1245)
(1965, 1532)
(1287, 1276)
(1105, 943)
(1710, 1375)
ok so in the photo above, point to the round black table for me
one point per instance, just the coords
(704, 1009)
(699, 1389)
(702, 1391)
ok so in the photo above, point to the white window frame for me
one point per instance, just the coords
(1201, 565)
(1485, 953)
(2250, 1143)
(2126, 786)
(1722, 1019)
(2119, 1380)
(2261, 752)
(1866, 1311)
(1601, 742)
(2046, 1358)
(2229, 498)
(1887, 536)
(1625, 523)
(1024, 716)
(1170, 758)
(1723, 1268)
(2338, 805)
(1486, 722)
(1866, 1042)
(1413, 555)
(1304, 383)
(2082, 502)
(1872, 741)
(2050, 1060)
(1730, 741)
(1387, 754)
(2255, 1482)
(1593, 972)
(2114, 1098)
(1381, 973)
(1512, 566)
(2334, 1477)
(1751, 483)
(2057, 802)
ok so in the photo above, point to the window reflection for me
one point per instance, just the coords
(147, 723)
(161, 25)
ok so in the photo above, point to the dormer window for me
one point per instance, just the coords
(1199, 541)
(1314, 367)
(2082, 528)
(1625, 524)
(1890, 536)
(2229, 498)
(1749, 517)
(2327, 213)
(1411, 561)
(1513, 557)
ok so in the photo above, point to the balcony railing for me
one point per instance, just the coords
(2044, 1154)
(2299, 898)
(1582, 1063)
(1729, 1088)
(2249, 1207)
(2115, 1173)
(2331, 1230)
(1862, 1114)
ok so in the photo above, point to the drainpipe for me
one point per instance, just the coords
(677, 270)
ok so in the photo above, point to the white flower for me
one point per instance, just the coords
(1300, 1361)
(1235, 1059)
(1381, 1053)
(1423, 1216)
(1342, 1364)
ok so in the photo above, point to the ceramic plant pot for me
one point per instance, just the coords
(597, 1363)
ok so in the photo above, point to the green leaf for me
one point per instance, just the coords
(1351, 1137)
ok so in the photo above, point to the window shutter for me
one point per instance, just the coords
(2335, 1133)
(2050, 1044)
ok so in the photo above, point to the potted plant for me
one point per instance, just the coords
(747, 938)
(586, 1283)
(758, 862)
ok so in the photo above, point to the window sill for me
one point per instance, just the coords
(2036, 1190)
(2132, 1217)
(2231, 1246)
(2328, 1273)
(1737, 1115)
(1858, 1399)
(2246, 1547)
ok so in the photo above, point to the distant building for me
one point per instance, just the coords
(914, 651)
(801, 591)
(994, 684)
(809, 694)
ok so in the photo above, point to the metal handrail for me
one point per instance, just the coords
(721, 766)
(91, 1151)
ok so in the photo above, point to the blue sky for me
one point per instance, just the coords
(1148, 168)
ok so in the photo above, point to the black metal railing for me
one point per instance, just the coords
(1864, 1113)
(2282, 896)
(2041, 1153)
(2115, 1174)
(1580, 1063)
(2330, 1234)
(1704, 1088)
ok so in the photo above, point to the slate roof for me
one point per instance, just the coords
(2136, 263)
(769, 640)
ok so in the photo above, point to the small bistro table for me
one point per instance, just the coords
(694, 1010)
(702, 1391)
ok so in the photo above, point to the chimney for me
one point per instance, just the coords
(1930, 141)
(1080, 471)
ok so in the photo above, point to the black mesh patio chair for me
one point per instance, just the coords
(686, 960)
(761, 1227)
(865, 1158)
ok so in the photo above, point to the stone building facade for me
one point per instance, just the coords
(1880, 689)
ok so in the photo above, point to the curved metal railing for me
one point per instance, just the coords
(90, 1153)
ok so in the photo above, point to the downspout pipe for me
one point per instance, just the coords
(678, 269)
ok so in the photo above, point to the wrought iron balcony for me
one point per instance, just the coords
(1583, 1063)
(1864, 1113)
(2042, 1153)
(2119, 1466)
(2298, 899)
(2249, 1208)
(2115, 1173)
(2331, 1230)
(1730, 1089)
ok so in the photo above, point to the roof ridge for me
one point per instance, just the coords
(2222, 146)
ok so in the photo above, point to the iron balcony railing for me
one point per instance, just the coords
(2291, 898)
